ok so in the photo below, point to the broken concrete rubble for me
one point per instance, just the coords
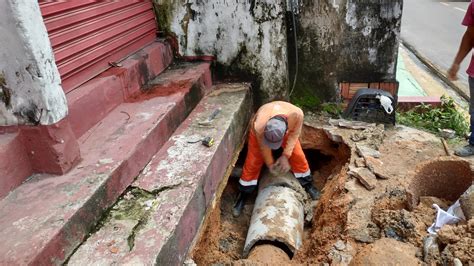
(366, 151)
(459, 241)
(351, 124)
(332, 134)
(373, 135)
(350, 212)
(365, 176)
(360, 162)
(341, 253)
(376, 166)
(431, 249)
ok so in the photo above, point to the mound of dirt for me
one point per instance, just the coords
(387, 251)
(459, 241)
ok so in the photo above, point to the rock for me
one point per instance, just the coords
(449, 234)
(376, 166)
(373, 135)
(332, 135)
(457, 262)
(431, 252)
(359, 162)
(340, 245)
(462, 250)
(189, 262)
(362, 237)
(350, 124)
(392, 233)
(458, 242)
(365, 176)
(470, 226)
(429, 201)
(467, 203)
(387, 251)
(105, 161)
(447, 133)
(356, 137)
(339, 258)
(363, 232)
(365, 151)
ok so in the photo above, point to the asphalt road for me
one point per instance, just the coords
(434, 29)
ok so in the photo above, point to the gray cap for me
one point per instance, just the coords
(274, 133)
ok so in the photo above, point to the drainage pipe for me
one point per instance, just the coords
(277, 217)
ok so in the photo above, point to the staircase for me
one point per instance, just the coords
(134, 125)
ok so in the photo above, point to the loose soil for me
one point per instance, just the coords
(352, 224)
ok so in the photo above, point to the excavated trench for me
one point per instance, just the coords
(350, 223)
(223, 236)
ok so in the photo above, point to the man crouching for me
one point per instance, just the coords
(275, 125)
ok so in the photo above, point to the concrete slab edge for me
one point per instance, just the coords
(463, 92)
(168, 255)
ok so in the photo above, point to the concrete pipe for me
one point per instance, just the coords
(278, 214)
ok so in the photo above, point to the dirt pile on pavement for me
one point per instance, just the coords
(459, 241)
(390, 214)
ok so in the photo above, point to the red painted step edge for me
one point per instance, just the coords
(46, 218)
(92, 101)
(14, 163)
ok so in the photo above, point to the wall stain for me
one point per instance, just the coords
(5, 92)
(190, 15)
(355, 42)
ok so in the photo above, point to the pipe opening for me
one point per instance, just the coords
(276, 244)
(262, 249)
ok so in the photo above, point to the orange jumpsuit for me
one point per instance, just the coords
(258, 153)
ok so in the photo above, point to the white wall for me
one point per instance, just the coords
(251, 37)
(30, 85)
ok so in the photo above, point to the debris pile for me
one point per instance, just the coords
(376, 203)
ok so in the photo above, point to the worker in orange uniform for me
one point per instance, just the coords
(275, 125)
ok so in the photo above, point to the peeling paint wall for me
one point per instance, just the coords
(343, 40)
(337, 40)
(247, 37)
(30, 85)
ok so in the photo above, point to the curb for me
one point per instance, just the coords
(464, 93)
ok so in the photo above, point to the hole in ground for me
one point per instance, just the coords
(444, 179)
(223, 237)
(405, 215)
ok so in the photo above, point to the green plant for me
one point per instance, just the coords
(332, 109)
(432, 119)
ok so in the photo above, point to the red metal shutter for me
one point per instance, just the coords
(86, 35)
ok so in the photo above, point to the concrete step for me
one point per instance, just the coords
(92, 101)
(158, 217)
(46, 218)
(406, 103)
(15, 164)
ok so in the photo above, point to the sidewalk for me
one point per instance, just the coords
(417, 80)
(408, 85)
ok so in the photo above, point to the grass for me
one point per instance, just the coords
(433, 119)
